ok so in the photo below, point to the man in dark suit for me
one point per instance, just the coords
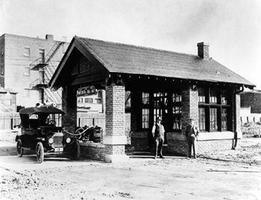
(158, 132)
(191, 134)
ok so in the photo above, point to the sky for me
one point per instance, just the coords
(232, 28)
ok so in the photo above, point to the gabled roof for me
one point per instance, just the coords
(129, 59)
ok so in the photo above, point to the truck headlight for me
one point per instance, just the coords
(68, 140)
(50, 140)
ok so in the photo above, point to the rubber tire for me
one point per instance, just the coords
(39, 152)
(76, 151)
(19, 149)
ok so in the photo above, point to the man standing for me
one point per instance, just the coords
(158, 134)
(191, 134)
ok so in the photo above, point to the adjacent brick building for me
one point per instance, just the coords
(172, 85)
(250, 106)
(19, 58)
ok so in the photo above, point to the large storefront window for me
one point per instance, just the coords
(214, 109)
(167, 105)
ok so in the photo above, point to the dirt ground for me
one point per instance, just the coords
(219, 175)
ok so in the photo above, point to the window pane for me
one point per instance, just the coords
(145, 98)
(160, 99)
(201, 95)
(177, 110)
(213, 96)
(145, 118)
(224, 118)
(27, 51)
(42, 56)
(213, 119)
(156, 113)
(176, 97)
(202, 119)
(224, 98)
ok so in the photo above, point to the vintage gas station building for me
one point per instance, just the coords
(172, 85)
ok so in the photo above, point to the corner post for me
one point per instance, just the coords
(115, 138)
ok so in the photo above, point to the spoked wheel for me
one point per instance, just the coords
(39, 152)
(76, 151)
(19, 148)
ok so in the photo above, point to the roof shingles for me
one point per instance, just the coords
(129, 59)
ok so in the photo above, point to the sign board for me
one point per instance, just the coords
(89, 90)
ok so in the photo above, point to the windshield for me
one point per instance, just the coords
(37, 120)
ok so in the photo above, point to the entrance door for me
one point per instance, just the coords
(159, 109)
(160, 106)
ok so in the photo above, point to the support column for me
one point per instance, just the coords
(115, 138)
(189, 106)
(69, 105)
(237, 116)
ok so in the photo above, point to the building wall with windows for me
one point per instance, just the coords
(19, 52)
(210, 106)
(250, 110)
(247, 117)
(91, 103)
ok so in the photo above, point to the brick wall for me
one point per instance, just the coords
(178, 145)
(213, 145)
(139, 140)
(189, 106)
(95, 151)
(17, 75)
(115, 110)
(115, 122)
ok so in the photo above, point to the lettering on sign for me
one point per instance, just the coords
(89, 90)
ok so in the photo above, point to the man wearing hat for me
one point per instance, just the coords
(158, 132)
(191, 134)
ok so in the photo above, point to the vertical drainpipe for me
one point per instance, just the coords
(234, 141)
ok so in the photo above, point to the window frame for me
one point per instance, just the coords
(27, 51)
(145, 106)
(166, 104)
(176, 105)
(219, 105)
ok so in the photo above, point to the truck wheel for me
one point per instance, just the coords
(19, 148)
(76, 151)
(39, 152)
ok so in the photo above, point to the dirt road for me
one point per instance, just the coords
(171, 178)
(227, 175)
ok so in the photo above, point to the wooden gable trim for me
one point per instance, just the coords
(88, 53)
(60, 67)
